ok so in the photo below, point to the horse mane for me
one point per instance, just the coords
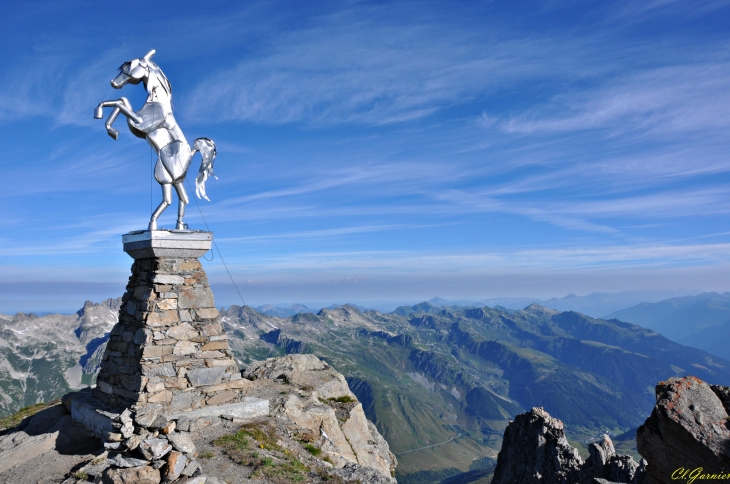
(155, 69)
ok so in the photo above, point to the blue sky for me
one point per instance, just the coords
(380, 150)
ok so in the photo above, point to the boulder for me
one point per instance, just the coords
(305, 371)
(154, 449)
(687, 429)
(182, 442)
(132, 475)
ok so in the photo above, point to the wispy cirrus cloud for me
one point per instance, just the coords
(688, 99)
(360, 65)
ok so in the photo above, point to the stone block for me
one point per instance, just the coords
(215, 345)
(167, 279)
(230, 385)
(184, 348)
(136, 475)
(189, 265)
(162, 318)
(94, 416)
(154, 449)
(190, 468)
(176, 462)
(182, 442)
(195, 297)
(221, 398)
(250, 408)
(182, 332)
(207, 313)
(183, 400)
(166, 304)
(210, 354)
(156, 351)
(212, 329)
(160, 397)
(120, 460)
(175, 382)
(205, 376)
(158, 369)
(220, 362)
(185, 315)
(155, 387)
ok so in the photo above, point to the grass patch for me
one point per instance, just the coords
(206, 454)
(237, 441)
(81, 475)
(254, 445)
(15, 419)
(315, 451)
(342, 399)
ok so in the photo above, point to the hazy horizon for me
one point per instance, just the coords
(67, 298)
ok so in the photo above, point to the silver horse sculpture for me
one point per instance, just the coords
(157, 124)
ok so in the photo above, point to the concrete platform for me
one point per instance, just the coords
(142, 244)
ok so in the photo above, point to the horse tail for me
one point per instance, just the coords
(207, 150)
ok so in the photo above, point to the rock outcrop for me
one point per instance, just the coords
(688, 429)
(327, 409)
(535, 451)
(313, 416)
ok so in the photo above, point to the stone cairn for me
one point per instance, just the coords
(167, 369)
(169, 346)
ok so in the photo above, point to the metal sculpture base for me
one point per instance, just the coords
(143, 244)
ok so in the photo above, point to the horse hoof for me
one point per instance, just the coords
(98, 113)
(152, 225)
(113, 133)
(181, 226)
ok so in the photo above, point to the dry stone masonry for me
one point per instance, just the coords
(169, 347)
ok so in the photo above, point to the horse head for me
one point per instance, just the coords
(135, 71)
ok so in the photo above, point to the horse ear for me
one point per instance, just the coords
(149, 55)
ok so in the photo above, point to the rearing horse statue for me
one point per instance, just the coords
(157, 124)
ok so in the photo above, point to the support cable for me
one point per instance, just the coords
(214, 244)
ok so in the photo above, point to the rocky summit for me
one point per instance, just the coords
(316, 432)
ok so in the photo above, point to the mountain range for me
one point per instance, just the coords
(440, 383)
(701, 321)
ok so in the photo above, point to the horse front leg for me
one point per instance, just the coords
(113, 117)
(121, 105)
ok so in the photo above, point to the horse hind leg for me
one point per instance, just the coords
(183, 200)
(166, 201)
